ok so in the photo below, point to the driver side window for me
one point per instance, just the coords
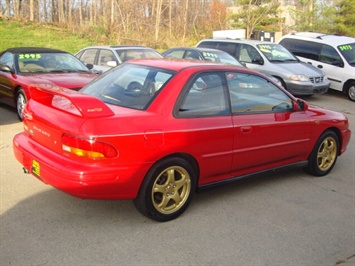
(253, 94)
(206, 96)
(249, 54)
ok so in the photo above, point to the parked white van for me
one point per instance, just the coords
(334, 54)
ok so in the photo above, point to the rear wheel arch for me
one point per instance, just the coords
(168, 187)
(185, 156)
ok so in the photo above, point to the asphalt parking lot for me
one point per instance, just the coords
(286, 218)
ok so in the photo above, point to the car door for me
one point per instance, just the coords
(103, 58)
(333, 66)
(267, 131)
(203, 115)
(89, 56)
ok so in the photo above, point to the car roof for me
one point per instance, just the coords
(180, 64)
(323, 38)
(117, 47)
(253, 42)
(17, 50)
(200, 49)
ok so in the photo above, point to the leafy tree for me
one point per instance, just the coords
(255, 14)
(332, 17)
(304, 13)
(344, 18)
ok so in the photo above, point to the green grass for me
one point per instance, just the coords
(20, 34)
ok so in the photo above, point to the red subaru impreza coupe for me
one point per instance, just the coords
(158, 130)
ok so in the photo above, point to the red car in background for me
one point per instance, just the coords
(158, 130)
(23, 66)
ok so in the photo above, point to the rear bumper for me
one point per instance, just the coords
(94, 180)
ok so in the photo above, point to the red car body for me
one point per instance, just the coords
(220, 148)
(66, 80)
(15, 79)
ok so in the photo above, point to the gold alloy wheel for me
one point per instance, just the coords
(327, 153)
(171, 189)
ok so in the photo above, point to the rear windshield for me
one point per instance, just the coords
(348, 51)
(129, 85)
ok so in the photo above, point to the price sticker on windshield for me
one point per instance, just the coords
(264, 46)
(207, 54)
(29, 56)
(345, 47)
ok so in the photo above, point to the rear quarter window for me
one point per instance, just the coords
(310, 50)
(330, 56)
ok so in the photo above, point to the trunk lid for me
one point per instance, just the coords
(54, 111)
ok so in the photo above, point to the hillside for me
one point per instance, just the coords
(18, 33)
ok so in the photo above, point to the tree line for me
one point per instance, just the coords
(160, 23)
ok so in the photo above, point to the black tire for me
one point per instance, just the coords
(167, 190)
(20, 102)
(324, 154)
(350, 91)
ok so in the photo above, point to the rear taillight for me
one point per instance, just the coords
(88, 148)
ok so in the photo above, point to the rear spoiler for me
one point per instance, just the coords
(78, 103)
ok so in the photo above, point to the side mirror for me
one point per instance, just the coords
(90, 66)
(300, 105)
(111, 63)
(258, 61)
(6, 68)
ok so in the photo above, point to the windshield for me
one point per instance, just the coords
(276, 53)
(49, 62)
(220, 57)
(348, 51)
(129, 85)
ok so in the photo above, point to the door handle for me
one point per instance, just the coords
(246, 129)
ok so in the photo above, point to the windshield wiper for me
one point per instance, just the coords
(277, 60)
(60, 70)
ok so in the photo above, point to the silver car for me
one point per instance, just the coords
(273, 59)
(105, 57)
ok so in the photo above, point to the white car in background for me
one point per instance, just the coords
(105, 57)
